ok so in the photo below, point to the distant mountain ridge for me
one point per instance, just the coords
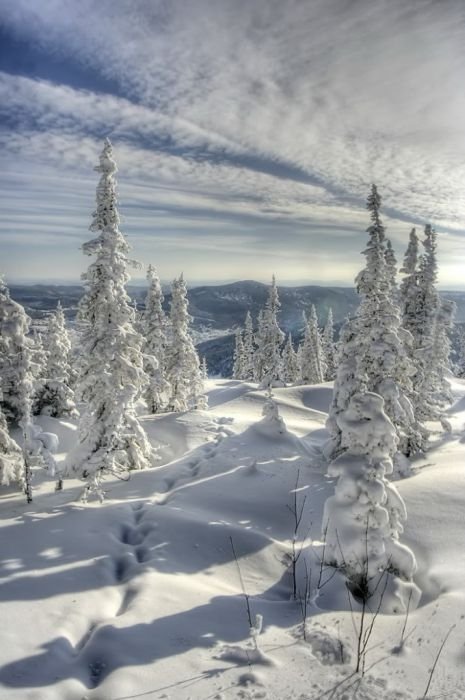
(217, 310)
(217, 306)
(220, 306)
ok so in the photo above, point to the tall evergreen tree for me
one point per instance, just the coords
(410, 302)
(391, 267)
(239, 358)
(54, 396)
(460, 364)
(11, 456)
(153, 324)
(430, 329)
(289, 363)
(312, 365)
(362, 522)
(204, 369)
(249, 348)
(443, 324)
(328, 347)
(39, 356)
(257, 365)
(374, 335)
(182, 362)
(16, 352)
(111, 439)
(16, 377)
(409, 288)
(269, 339)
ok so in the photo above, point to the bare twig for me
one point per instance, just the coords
(296, 553)
(246, 597)
(436, 661)
(322, 560)
(402, 634)
(305, 599)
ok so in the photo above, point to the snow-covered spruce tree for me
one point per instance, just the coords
(289, 363)
(111, 439)
(238, 357)
(272, 424)
(409, 298)
(443, 324)
(460, 359)
(153, 326)
(328, 347)
(409, 289)
(312, 365)
(16, 350)
(182, 362)
(16, 377)
(391, 267)
(38, 364)
(249, 348)
(269, 339)
(55, 397)
(39, 356)
(432, 323)
(362, 522)
(257, 366)
(374, 336)
(204, 369)
(11, 456)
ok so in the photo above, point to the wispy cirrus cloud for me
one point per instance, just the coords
(264, 122)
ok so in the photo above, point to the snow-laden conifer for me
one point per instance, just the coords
(54, 396)
(111, 439)
(328, 347)
(375, 357)
(39, 356)
(391, 267)
(433, 319)
(409, 298)
(409, 288)
(249, 348)
(16, 374)
(364, 519)
(11, 455)
(443, 324)
(269, 339)
(289, 363)
(238, 357)
(460, 362)
(257, 368)
(17, 383)
(182, 361)
(272, 424)
(312, 364)
(204, 369)
(154, 324)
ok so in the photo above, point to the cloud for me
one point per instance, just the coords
(253, 119)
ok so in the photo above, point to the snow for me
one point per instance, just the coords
(141, 596)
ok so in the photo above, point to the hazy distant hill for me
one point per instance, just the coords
(217, 310)
(219, 307)
(225, 306)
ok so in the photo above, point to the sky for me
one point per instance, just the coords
(247, 133)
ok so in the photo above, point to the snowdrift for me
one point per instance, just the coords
(144, 595)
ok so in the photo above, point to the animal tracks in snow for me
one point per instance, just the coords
(135, 538)
(201, 457)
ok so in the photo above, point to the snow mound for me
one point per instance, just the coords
(136, 598)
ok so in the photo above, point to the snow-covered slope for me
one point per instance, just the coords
(141, 597)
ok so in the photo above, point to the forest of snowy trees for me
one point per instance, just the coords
(389, 367)
(123, 357)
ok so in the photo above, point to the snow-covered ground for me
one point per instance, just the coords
(141, 596)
